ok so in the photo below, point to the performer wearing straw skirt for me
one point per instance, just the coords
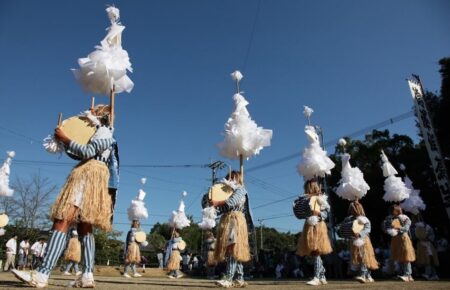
(362, 253)
(232, 243)
(314, 240)
(84, 199)
(209, 246)
(397, 226)
(426, 252)
(173, 256)
(132, 253)
(73, 254)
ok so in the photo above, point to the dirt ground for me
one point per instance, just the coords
(154, 280)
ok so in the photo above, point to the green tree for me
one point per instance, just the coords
(108, 247)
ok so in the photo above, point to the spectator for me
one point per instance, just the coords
(38, 250)
(186, 261)
(24, 246)
(11, 250)
(279, 270)
(160, 257)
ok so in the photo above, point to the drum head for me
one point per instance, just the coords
(357, 226)
(78, 129)
(181, 245)
(314, 204)
(421, 233)
(3, 220)
(140, 237)
(396, 224)
(220, 192)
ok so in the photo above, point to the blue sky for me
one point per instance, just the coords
(346, 59)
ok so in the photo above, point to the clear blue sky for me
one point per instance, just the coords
(346, 59)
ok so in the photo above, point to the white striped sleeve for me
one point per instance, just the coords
(91, 149)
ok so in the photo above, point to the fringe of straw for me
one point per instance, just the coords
(314, 239)
(92, 176)
(240, 250)
(402, 249)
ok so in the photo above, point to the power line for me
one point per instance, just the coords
(252, 33)
(387, 122)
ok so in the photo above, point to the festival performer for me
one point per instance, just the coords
(85, 198)
(232, 243)
(135, 237)
(243, 140)
(132, 253)
(73, 254)
(209, 247)
(314, 240)
(313, 205)
(422, 233)
(396, 223)
(362, 252)
(173, 256)
(356, 227)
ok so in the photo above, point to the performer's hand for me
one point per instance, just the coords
(217, 203)
(316, 213)
(61, 136)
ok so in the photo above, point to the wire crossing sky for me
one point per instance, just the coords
(348, 60)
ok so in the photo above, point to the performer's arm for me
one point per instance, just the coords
(365, 231)
(237, 198)
(406, 225)
(91, 149)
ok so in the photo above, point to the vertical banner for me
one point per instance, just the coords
(431, 142)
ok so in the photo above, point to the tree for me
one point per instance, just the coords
(31, 201)
(108, 247)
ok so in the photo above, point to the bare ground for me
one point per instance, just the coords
(154, 280)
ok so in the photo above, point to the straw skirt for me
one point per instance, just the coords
(233, 232)
(402, 249)
(314, 239)
(87, 189)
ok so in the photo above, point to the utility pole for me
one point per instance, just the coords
(217, 165)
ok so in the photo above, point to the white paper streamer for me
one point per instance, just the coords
(315, 162)
(394, 188)
(209, 215)
(107, 66)
(414, 204)
(179, 219)
(242, 134)
(5, 171)
(352, 185)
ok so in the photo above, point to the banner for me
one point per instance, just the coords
(431, 142)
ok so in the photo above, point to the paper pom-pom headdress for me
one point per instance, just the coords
(209, 215)
(315, 162)
(242, 134)
(5, 170)
(352, 185)
(394, 188)
(106, 67)
(137, 209)
(179, 219)
(414, 204)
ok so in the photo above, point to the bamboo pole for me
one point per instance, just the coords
(112, 104)
(59, 119)
(241, 161)
(92, 102)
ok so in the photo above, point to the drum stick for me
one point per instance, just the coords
(92, 103)
(59, 119)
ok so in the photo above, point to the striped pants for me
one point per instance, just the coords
(319, 269)
(234, 267)
(56, 246)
